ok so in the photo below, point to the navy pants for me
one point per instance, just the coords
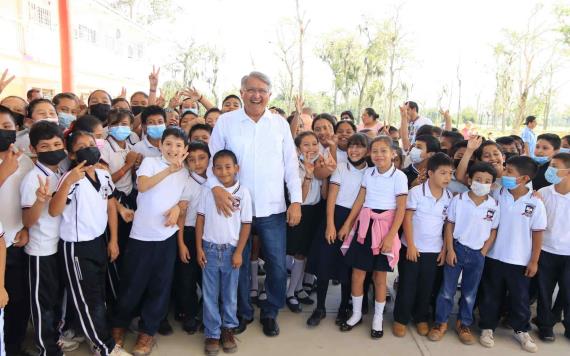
(17, 311)
(553, 269)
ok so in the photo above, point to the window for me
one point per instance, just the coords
(38, 14)
(85, 33)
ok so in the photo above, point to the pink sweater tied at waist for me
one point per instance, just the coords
(381, 224)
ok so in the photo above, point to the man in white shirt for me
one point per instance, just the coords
(411, 121)
(267, 157)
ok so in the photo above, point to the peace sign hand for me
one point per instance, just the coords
(42, 193)
(4, 82)
(76, 174)
(153, 78)
(123, 93)
(179, 164)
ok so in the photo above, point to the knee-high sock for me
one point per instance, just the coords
(309, 278)
(296, 276)
(378, 315)
(254, 278)
(356, 311)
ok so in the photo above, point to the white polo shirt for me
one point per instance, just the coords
(115, 157)
(219, 229)
(314, 195)
(557, 234)
(413, 127)
(148, 224)
(85, 216)
(44, 234)
(341, 156)
(473, 224)
(23, 143)
(194, 187)
(146, 149)
(348, 178)
(428, 218)
(10, 208)
(382, 189)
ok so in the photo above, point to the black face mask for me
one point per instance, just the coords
(136, 109)
(51, 158)
(7, 137)
(100, 111)
(359, 162)
(90, 155)
(19, 119)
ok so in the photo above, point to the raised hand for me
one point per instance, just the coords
(10, 163)
(179, 164)
(153, 78)
(443, 113)
(474, 143)
(5, 81)
(174, 102)
(42, 193)
(76, 174)
(160, 101)
(192, 93)
(123, 93)
(330, 163)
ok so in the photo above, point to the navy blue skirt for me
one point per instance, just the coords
(300, 237)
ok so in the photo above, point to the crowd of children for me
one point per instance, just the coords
(105, 219)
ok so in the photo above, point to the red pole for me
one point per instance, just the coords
(65, 47)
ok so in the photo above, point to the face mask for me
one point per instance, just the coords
(120, 133)
(509, 182)
(136, 109)
(416, 155)
(313, 160)
(100, 143)
(551, 175)
(65, 119)
(541, 160)
(480, 189)
(52, 158)
(194, 111)
(100, 111)
(7, 137)
(19, 118)
(155, 131)
(564, 150)
(89, 154)
(359, 162)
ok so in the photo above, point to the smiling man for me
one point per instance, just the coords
(267, 157)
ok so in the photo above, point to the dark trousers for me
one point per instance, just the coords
(17, 312)
(45, 302)
(553, 269)
(146, 280)
(498, 278)
(86, 268)
(415, 287)
(187, 277)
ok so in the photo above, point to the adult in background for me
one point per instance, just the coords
(528, 136)
(411, 121)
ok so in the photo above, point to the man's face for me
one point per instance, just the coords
(255, 95)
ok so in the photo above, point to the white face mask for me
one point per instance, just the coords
(416, 155)
(480, 189)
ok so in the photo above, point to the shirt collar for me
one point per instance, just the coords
(234, 188)
(45, 170)
(388, 173)
(245, 116)
(149, 145)
(198, 178)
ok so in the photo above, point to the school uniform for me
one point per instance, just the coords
(341, 156)
(506, 262)
(83, 249)
(382, 189)
(43, 262)
(219, 278)
(147, 268)
(115, 157)
(472, 227)
(416, 279)
(146, 149)
(411, 174)
(2, 350)
(539, 181)
(554, 262)
(456, 187)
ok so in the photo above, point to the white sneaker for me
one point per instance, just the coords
(119, 351)
(69, 341)
(526, 341)
(486, 339)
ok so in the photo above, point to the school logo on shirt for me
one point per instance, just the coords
(106, 192)
(236, 203)
(529, 210)
(490, 214)
(444, 212)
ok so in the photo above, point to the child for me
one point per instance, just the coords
(456, 153)
(472, 220)
(211, 116)
(147, 268)
(484, 151)
(3, 294)
(546, 146)
(424, 147)
(513, 259)
(219, 246)
(84, 199)
(46, 141)
(529, 137)
(565, 144)
(153, 120)
(200, 132)
(374, 244)
(187, 269)
(554, 262)
(423, 248)
(326, 256)
(38, 110)
(343, 129)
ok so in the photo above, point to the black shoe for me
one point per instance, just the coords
(546, 334)
(191, 325)
(165, 328)
(242, 325)
(335, 282)
(316, 317)
(305, 298)
(295, 308)
(345, 327)
(180, 317)
(310, 288)
(342, 315)
(270, 327)
(375, 334)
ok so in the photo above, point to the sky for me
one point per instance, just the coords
(441, 33)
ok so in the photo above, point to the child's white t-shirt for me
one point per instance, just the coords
(557, 234)
(382, 189)
(314, 195)
(194, 187)
(348, 179)
(115, 157)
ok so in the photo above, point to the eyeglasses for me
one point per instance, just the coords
(252, 91)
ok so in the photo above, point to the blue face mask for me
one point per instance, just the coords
(541, 160)
(65, 119)
(155, 131)
(120, 133)
(551, 175)
(509, 182)
(564, 150)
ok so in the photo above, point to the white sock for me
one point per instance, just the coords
(378, 315)
(254, 278)
(301, 280)
(289, 260)
(356, 311)
(296, 276)
(309, 278)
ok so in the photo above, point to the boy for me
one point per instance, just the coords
(513, 259)
(153, 120)
(472, 220)
(200, 132)
(423, 245)
(508, 145)
(565, 146)
(148, 262)
(219, 246)
(554, 262)
(424, 147)
(546, 146)
(46, 142)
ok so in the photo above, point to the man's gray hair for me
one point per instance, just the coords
(258, 75)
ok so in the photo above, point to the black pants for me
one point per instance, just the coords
(188, 276)
(86, 268)
(146, 281)
(17, 312)
(499, 277)
(415, 287)
(45, 302)
(553, 269)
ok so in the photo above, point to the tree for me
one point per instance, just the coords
(210, 67)
(145, 12)
(303, 23)
(285, 53)
(504, 58)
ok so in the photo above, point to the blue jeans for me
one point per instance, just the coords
(219, 282)
(272, 231)
(471, 263)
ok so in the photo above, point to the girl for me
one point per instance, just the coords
(323, 127)
(326, 259)
(300, 237)
(99, 105)
(84, 199)
(484, 151)
(38, 110)
(231, 103)
(211, 116)
(374, 244)
(67, 107)
(370, 120)
(343, 130)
